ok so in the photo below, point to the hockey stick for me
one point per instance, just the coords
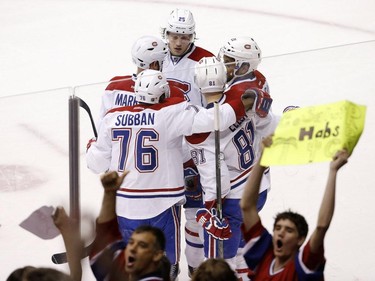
(74, 103)
(87, 108)
(218, 174)
(61, 258)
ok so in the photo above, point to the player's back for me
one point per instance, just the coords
(147, 141)
(120, 92)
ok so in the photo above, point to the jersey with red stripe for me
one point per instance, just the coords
(238, 152)
(180, 72)
(259, 256)
(120, 92)
(254, 79)
(147, 141)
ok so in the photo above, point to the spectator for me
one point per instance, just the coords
(111, 259)
(30, 273)
(214, 270)
(278, 256)
(72, 239)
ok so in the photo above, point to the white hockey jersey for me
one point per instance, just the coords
(147, 141)
(180, 72)
(239, 148)
(120, 92)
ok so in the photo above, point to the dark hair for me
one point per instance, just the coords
(214, 269)
(157, 232)
(30, 273)
(296, 218)
(19, 273)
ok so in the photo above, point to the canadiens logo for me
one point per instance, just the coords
(247, 46)
(154, 44)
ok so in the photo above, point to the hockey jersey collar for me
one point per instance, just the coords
(220, 101)
(177, 59)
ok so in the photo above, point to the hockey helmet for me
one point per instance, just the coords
(210, 75)
(150, 86)
(180, 21)
(148, 49)
(242, 50)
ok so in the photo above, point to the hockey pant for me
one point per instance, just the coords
(169, 222)
(232, 247)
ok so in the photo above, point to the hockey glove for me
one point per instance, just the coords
(219, 229)
(262, 101)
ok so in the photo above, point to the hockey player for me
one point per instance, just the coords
(183, 54)
(278, 256)
(179, 69)
(148, 52)
(236, 153)
(146, 139)
(242, 56)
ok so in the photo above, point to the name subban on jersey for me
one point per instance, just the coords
(137, 119)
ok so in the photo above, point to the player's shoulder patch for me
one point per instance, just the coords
(199, 53)
(124, 83)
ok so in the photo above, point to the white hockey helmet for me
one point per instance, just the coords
(150, 86)
(180, 21)
(243, 50)
(210, 75)
(148, 49)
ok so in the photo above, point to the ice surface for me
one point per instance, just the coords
(315, 52)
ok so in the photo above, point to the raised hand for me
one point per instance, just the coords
(112, 181)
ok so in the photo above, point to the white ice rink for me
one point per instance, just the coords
(315, 52)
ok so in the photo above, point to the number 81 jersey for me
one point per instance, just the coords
(239, 151)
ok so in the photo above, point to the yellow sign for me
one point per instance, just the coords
(314, 134)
